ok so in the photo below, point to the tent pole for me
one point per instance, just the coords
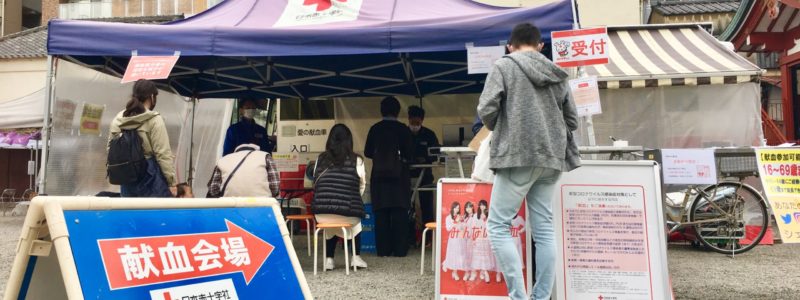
(47, 124)
(190, 180)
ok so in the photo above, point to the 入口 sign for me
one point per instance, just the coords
(582, 47)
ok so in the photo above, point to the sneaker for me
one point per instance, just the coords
(472, 276)
(328, 263)
(358, 262)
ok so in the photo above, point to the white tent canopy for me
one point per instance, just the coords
(23, 112)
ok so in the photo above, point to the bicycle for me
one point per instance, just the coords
(721, 214)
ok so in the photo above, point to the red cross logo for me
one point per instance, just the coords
(321, 4)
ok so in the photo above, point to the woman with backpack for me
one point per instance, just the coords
(146, 171)
(339, 181)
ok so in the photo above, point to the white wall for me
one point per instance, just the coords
(21, 77)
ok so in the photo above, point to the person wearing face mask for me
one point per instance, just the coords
(139, 115)
(423, 138)
(246, 131)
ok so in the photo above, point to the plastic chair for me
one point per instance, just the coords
(428, 227)
(346, 228)
(309, 221)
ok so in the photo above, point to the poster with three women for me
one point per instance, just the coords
(466, 267)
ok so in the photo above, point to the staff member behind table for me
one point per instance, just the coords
(246, 131)
(247, 172)
(389, 145)
(423, 138)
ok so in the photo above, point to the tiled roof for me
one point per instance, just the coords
(32, 43)
(691, 7)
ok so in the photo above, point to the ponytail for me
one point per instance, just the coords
(143, 90)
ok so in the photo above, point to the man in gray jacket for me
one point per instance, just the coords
(527, 104)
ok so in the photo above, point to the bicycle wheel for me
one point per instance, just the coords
(722, 224)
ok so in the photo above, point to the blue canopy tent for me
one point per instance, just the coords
(310, 49)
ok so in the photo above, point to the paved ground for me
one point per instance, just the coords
(767, 272)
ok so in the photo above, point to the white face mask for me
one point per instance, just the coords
(249, 113)
(415, 128)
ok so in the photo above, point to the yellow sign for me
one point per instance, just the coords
(780, 175)
(90, 118)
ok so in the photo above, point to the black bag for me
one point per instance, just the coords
(387, 163)
(126, 163)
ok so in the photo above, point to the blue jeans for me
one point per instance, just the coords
(511, 187)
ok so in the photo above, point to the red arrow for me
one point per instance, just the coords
(131, 262)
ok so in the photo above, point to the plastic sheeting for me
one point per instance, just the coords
(76, 165)
(23, 112)
(680, 116)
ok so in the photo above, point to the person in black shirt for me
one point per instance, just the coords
(389, 145)
(423, 138)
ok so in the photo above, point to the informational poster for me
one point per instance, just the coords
(481, 59)
(304, 136)
(582, 47)
(689, 166)
(779, 169)
(149, 67)
(64, 114)
(286, 162)
(467, 268)
(610, 233)
(586, 95)
(90, 118)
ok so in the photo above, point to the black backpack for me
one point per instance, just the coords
(126, 163)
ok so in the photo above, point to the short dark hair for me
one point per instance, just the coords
(181, 187)
(416, 111)
(390, 107)
(525, 34)
(242, 101)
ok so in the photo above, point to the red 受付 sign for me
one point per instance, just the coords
(139, 261)
(149, 67)
(582, 47)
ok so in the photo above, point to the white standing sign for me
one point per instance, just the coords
(481, 59)
(689, 166)
(586, 95)
(609, 226)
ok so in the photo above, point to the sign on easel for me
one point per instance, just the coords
(158, 249)
(779, 169)
(610, 226)
(465, 265)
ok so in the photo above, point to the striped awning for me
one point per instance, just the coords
(669, 55)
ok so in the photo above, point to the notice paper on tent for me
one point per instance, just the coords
(286, 162)
(481, 59)
(582, 47)
(90, 118)
(689, 166)
(779, 170)
(149, 67)
(586, 95)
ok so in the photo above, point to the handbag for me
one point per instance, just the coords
(481, 165)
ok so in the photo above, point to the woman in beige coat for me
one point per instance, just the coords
(159, 181)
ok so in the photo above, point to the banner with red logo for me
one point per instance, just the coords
(316, 12)
(466, 266)
(582, 47)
